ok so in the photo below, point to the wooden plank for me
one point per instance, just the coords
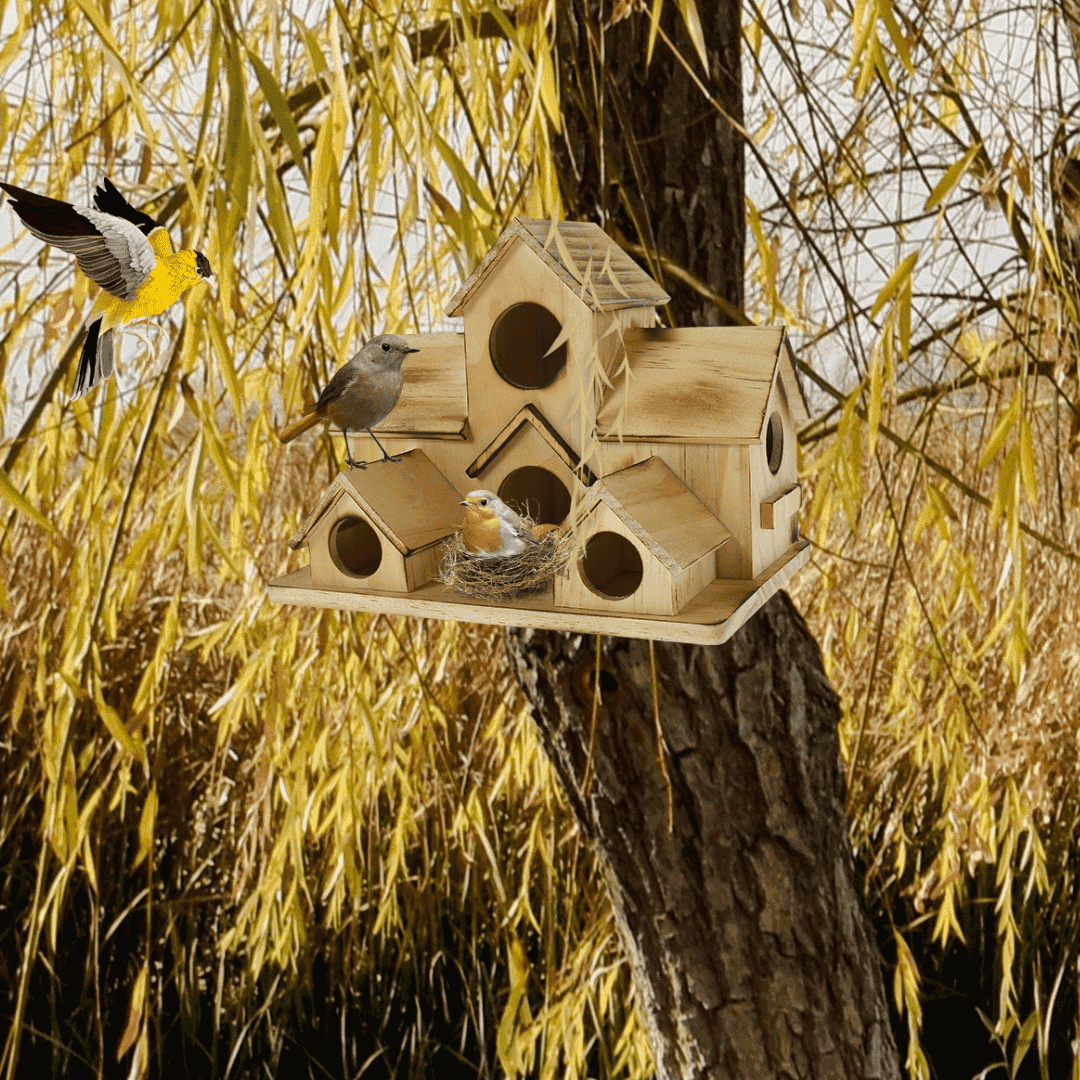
(693, 384)
(710, 618)
(434, 400)
(778, 508)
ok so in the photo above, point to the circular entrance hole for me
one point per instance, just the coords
(537, 493)
(355, 547)
(519, 344)
(611, 566)
(774, 442)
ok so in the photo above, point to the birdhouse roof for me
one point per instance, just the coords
(588, 261)
(530, 417)
(409, 501)
(661, 512)
(700, 385)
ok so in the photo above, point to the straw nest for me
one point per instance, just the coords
(508, 577)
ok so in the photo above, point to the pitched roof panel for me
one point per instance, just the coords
(698, 384)
(588, 261)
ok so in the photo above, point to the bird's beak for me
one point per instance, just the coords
(464, 502)
(409, 349)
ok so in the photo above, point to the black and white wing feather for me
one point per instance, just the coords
(110, 250)
(108, 200)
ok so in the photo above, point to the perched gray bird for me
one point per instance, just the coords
(491, 529)
(361, 393)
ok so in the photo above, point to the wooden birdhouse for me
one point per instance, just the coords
(380, 527)
(671, 454)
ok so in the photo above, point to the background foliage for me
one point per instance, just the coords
(232, 833)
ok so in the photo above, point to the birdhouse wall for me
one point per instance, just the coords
(521, 277)
(659, 592)
(774, 497)
(326, 540)
(718, 475)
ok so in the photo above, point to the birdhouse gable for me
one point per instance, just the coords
(529, 419)
(661, 512)
(699, 385)
(581, 255)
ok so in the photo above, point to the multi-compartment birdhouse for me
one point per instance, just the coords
(669, 454)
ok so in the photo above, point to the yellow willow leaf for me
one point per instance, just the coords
(693, 28)
(117, 728)
(873, 406)
(951, 177)
(463, 176)
(885, 13)
(11, 492)
(136, 1010)
(892, 286)
(549, 94)
(146, 826)
(279, 109)
(654, 26)
(1000, 433)
(1027, 461)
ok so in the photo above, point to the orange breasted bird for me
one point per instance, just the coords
(361, 393)
(491, 529)
(124, 251)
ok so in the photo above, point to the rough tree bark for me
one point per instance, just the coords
(647, 155)
(752, 955)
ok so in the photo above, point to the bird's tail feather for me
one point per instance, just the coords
(96, 361)
(298, 427)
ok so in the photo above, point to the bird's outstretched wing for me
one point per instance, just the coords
(109, 201)
(110, 250)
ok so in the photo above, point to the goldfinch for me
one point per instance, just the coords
(124, 251)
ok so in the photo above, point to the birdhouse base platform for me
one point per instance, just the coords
(710, 618)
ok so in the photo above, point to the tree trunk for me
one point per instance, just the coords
(647, 155)
(752, 956)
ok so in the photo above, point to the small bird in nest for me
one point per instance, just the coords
(493, 531)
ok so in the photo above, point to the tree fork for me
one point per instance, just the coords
(751, 954)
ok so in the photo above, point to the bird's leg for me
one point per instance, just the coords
(348, 454)
(139, 330)
(385, 455)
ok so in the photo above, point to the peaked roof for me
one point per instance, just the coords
(589, 262)
(530, 416)
(409, 501)
(658, 508)
(700, 384)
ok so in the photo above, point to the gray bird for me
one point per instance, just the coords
(361, 393)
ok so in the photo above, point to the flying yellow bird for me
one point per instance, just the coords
(122, 249)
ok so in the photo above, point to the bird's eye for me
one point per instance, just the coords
(385, 347)
(483, 502)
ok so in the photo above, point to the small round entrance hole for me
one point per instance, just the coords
(537, 493)
(519, 340)
(611, 566)
(355, 547)
(774, 442)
